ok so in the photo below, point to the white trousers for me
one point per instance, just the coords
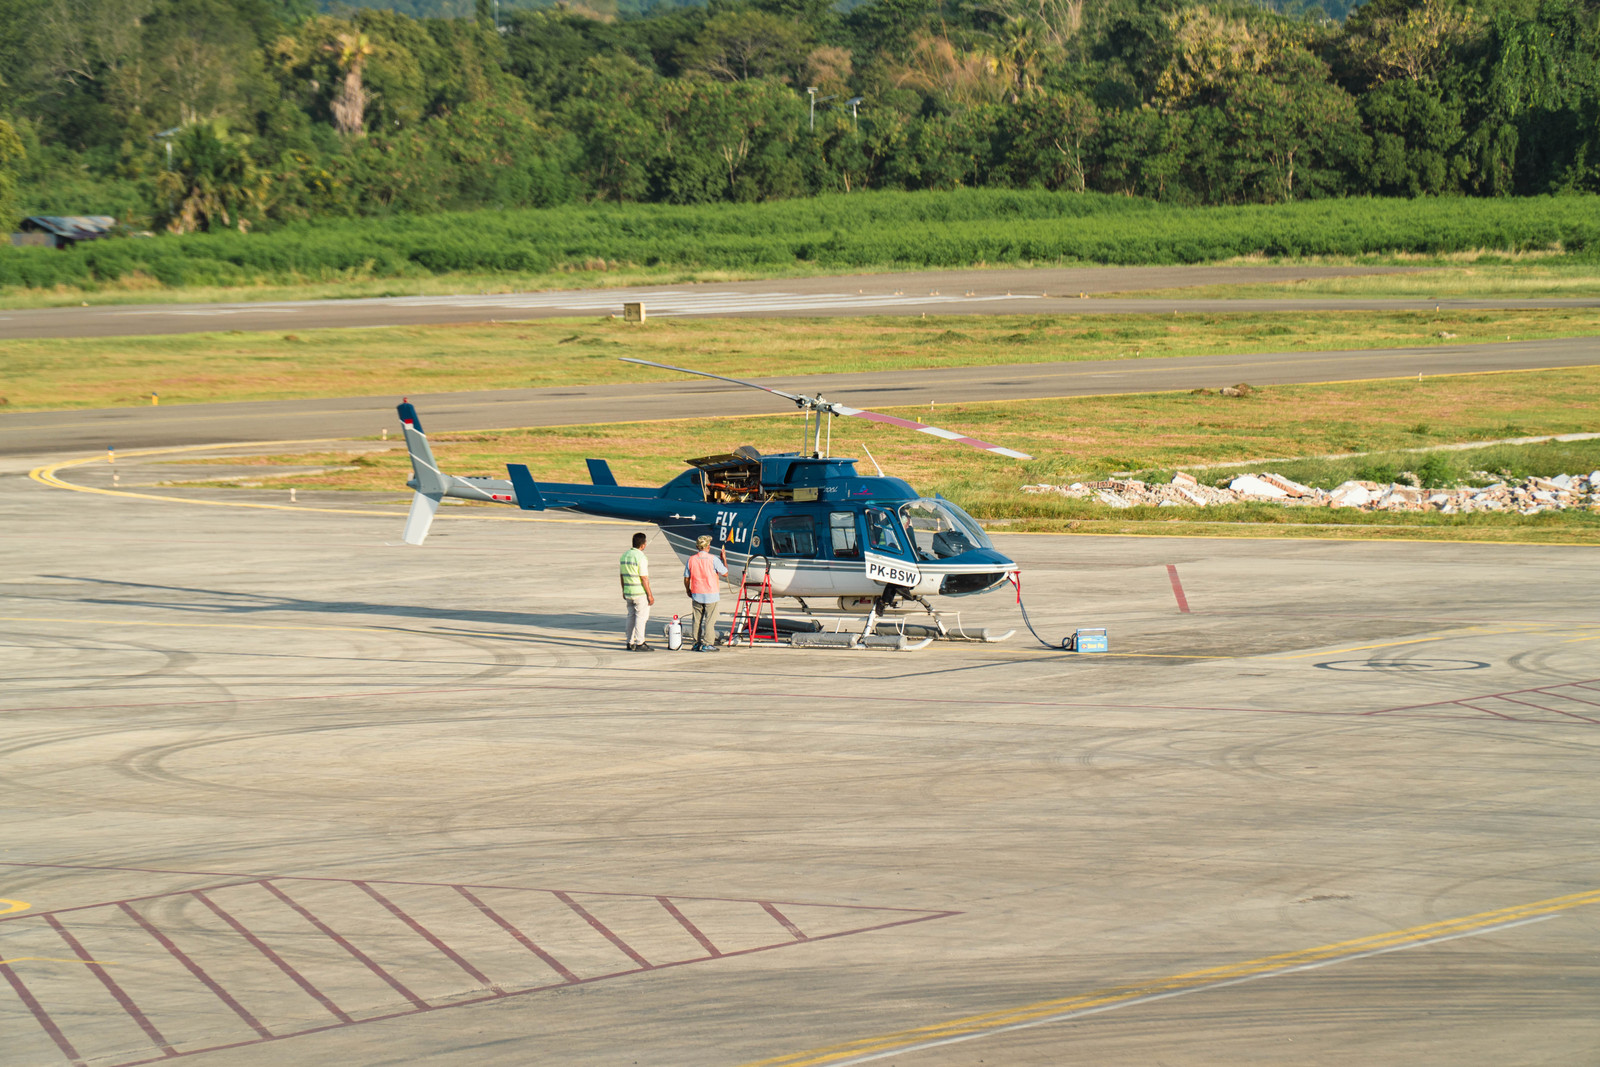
(638, 615)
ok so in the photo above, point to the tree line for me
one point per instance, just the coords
(194, 115)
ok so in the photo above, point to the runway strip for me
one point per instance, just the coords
(959, 292)
(1073, 1007)
(54, 432)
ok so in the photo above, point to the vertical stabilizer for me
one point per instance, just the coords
(431, 482)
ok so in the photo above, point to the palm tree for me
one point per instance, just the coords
(213, 182)
(1021, 54)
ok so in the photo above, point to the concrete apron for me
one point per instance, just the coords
(319, 798)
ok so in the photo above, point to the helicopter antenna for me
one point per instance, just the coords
(874, 459)
(819, 406)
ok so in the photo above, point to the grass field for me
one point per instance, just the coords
(1446, 278)
(1478, 274)
(191, 368)
(1085, 438)
(957, 228)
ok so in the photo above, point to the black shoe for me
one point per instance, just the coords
(630, 647)
(643, 648)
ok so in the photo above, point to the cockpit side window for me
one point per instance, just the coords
(881, 535)
(793, 535)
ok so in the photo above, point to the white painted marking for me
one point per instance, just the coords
(664, 302)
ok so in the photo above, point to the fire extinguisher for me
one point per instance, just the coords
(674, 634)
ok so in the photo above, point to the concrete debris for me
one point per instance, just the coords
(1250, 485)
(1528, 497)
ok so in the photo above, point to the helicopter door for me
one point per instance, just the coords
(887, 556)
(791, 539)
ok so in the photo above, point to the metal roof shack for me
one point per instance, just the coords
(62, 231)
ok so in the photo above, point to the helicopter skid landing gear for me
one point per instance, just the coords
(869, 637)
(885, 642)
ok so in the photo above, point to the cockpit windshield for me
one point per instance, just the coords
(938, 529)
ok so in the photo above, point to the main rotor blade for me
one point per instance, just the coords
(799, 400)
(922, 427)
(840, 409)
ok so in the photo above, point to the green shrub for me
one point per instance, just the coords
(922, 229)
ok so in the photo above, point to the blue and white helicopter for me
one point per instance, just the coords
(809, 523)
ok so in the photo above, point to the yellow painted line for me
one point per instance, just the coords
(13, 906)
(1453, 635)
(1129, 655)
(1044, 1011)
(59, 959)
(46, 475)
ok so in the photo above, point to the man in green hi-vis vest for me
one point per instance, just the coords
(635, 571)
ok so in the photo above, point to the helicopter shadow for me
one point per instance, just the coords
(224, 602)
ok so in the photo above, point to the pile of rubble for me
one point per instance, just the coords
(1527, 497)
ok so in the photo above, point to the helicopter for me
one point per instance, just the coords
(806, 522)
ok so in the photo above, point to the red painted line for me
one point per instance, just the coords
(1508, 693)
(196, 970)
(1553, 711)
(121, 996)
(1568, 696)
(260, 946)
(632, 691)
(1177, 588)
(112, 903)
(1473, 707)
(323, 928)
(255, 879)
(643, 963)
(428, 936)
(43, 1017)
(500, 920)
(794, 930)
(540, 989)
(683, 920)
(522, 939)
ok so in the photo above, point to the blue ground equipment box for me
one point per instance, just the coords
(1090, 640)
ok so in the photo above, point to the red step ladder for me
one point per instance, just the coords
(754, 607)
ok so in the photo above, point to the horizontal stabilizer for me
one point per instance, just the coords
(528, 496)
(600, 472)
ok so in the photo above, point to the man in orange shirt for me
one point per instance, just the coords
(702, 581)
